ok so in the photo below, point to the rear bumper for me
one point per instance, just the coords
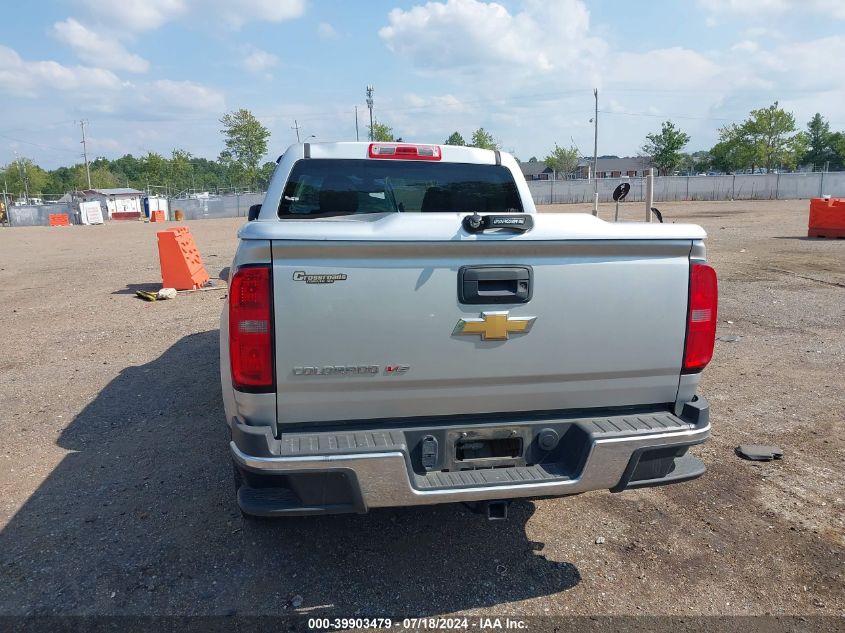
(352, 471)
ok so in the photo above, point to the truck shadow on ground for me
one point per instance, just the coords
(140, 518)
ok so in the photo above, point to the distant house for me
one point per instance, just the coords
(536, 170)
(122, 203)
(629, 167)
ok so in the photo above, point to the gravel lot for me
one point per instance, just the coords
(116, 492)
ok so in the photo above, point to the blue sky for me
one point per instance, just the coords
(153, 75)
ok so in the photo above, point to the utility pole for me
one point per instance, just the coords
(370, 106)
(356, 124)
(296, 127)
(596, 154)
(85, 152)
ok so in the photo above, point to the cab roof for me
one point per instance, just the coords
(381, 151)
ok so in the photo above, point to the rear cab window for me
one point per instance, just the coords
(336, 187)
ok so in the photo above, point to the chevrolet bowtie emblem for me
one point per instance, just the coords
(494, 326)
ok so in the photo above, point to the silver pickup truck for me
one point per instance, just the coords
(403, 328)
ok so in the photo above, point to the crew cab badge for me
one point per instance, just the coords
(494, 326)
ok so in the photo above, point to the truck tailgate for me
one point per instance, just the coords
(365, 328)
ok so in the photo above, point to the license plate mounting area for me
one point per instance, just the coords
(487, 448)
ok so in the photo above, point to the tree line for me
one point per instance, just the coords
(238, 167)
(768, 139)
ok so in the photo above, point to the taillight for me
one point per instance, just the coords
(701, 318)
(251, 329)
(406, 152)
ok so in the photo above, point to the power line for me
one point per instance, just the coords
(39, 145)
(54, 124)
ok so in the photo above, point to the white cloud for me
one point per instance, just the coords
(326, 31)
(258, 61)
(676, 68)
(100, 50)
(165, 97)
(447, 102)
(471, 35)
(526, 71)
(757, 9)
(239, 12)
(34, 78)
(746, 7)
(833, 8)
(745, 46)
(102, 143)
(94, 89)
(144, 15)
(795, 65)
(136, 15)
(761, 32)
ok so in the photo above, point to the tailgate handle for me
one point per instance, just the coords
(494, 284)
(476, 223)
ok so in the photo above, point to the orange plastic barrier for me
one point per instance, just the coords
(59, 219)
(181, 264)
(827, 217)
(157, 216)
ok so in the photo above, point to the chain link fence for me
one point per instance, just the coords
(227, 206)
(679, 188)
(223, 206)
(666, 189)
